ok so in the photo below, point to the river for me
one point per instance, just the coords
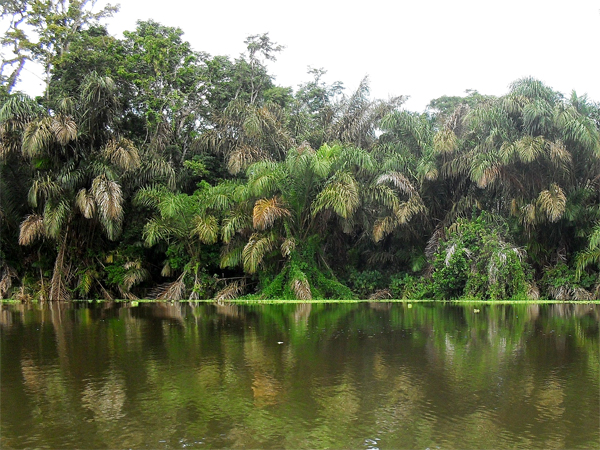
(323, 375)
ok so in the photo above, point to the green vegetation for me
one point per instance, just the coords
(151, 170)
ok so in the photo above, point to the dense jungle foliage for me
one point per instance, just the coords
(149, 169)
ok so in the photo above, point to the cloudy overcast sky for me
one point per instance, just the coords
(424, 49)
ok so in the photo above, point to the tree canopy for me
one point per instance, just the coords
(151, 169)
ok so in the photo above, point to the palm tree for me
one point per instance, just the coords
(181, 232)
(531, 155)
(245, 133)
(355, 118)
(76, 187)
(280, 223)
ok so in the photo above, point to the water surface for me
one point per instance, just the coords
(350, 375)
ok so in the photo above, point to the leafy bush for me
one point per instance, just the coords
(366, 282)
(477, 261)
(562, 282)
(405, 286)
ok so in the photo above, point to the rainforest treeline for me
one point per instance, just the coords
(148, 169)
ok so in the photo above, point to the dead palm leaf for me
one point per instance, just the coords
(559, 155)
(171, 291)
(122, 153)
(230, 292)
(64, 129)
(32, 228)
(242, 157)
(37, 137)
(398, 180)
(552, 202)
(266, 211)
(288, 246)
(383, 227)
(134, 274)
(109, 199)
(301, 287)
(407, 210)
(380, 294)
(58, 284)
(8, 274)
(85, 203)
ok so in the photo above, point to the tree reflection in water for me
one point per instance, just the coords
(300, 375)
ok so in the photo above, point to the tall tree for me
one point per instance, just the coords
(42, 31)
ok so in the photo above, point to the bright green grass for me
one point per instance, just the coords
(275, 302)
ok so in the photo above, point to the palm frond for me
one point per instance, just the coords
(60, 275)
(86, 281)
(383, 227)
(64, 129)
(594, 238)
(579, 130)
(529, 148)
(398, 180)
(157, 230)
(86, 203)
(559, 155)
(383, 195)
(587, 258)
(231, 254)
(255, 250)
(301, 287)
(109, 199)
(236, 221)
(591, 255)
(32, 228)
(37, 137)
(122, 153)
(288, 246)
(150, 196)
(242, 157)
(538, 117)
(340, 194)
(19, 108)
(552, 202)
(220, 197)
(230, 292)
(264, 178)
(381, 294)
(153, 167)
(55, 216)
(485, 169)
(266, 211)
(172, 291)
(528, 214)
(206, 228)
(8, 274)
(134, 274)
(445, 141)
(407, 210)
(532, 89)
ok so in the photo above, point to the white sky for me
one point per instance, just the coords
(424, 49)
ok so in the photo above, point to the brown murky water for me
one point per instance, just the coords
(349, 375)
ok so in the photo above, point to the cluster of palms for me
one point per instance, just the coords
(224, 184)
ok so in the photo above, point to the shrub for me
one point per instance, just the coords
(477, 261)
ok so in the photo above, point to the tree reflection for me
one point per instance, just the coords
(300, 375)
